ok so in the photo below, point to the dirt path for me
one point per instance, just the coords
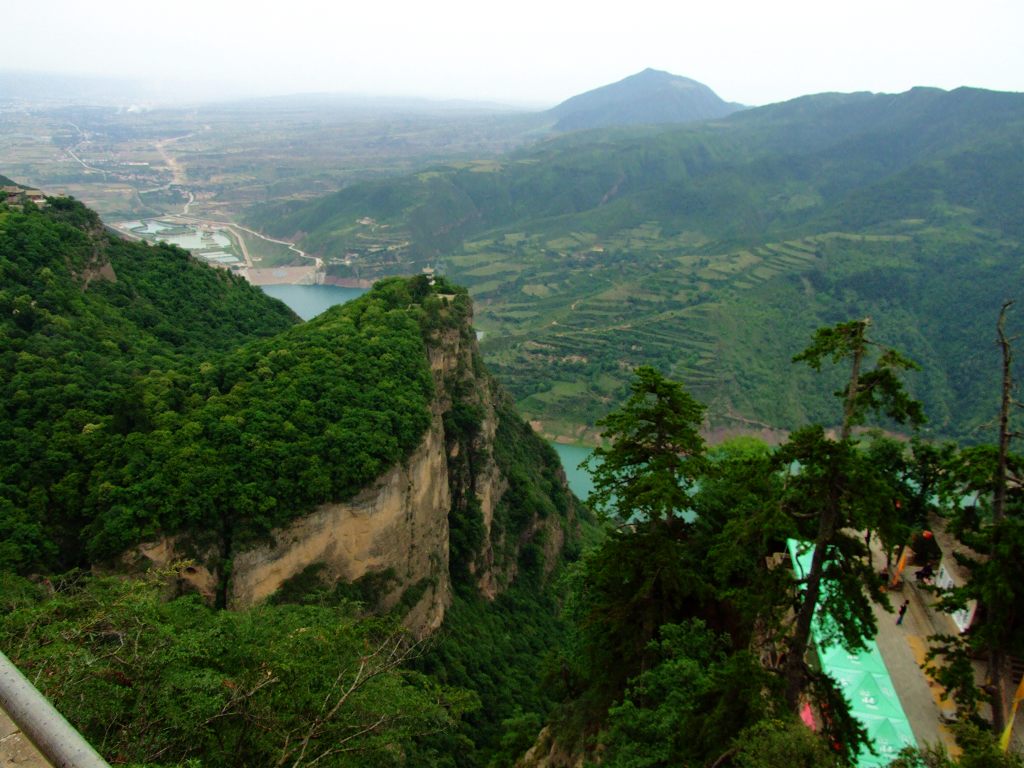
(315, 270)
(178, 175)
(318, 263)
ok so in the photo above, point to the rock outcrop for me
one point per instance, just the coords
(397, 526)
(398, 529)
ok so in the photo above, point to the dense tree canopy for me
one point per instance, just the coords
(664, 610)
(176, 398)
(699, 531)
(95, 337)
(133, 406)
(146, 393)
(655, 453)
(156, 682)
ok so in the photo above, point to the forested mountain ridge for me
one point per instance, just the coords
(338, 482)
(93, 326)
(785, 164)
(376, 450)
(647, 97)
(141, 402)
(711, 249)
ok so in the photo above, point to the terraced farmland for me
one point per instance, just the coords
(714, 251)
(568, 318)
(568, 313)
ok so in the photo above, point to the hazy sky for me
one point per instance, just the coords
(526, 51)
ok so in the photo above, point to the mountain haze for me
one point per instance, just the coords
(650, 96)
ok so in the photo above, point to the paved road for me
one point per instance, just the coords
(904, 647)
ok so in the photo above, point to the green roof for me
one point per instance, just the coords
(865, 682)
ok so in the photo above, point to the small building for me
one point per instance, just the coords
(10, 195)
(13, 195)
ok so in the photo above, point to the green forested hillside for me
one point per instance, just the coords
(710, 250)
(94, 331)
(147, 393)
(136, 389)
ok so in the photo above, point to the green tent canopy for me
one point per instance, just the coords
(865, 683)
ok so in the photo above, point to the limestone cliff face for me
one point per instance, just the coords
(546, 752)
(399, 525)
(509, 493)
(479, 469)
(455, 487)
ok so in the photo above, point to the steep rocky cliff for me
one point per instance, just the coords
(480, 497)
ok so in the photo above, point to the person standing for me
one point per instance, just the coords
(903, 612)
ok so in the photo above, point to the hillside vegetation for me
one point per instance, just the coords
(140, 398)
(711, 249)
(93, 336)
(147, 394)
(131, 409)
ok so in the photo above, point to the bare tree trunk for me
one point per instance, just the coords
(795, 665)
(827, 526)
(850, 406)
(999, 501)
(996, 656)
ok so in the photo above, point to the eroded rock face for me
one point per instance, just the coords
(399, 524)
(490, 486)
(169, 553)
(546, 752)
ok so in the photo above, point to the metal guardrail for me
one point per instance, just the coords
(43, 725)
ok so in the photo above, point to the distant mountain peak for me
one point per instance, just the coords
(657, 74)
(649, 96)
(652, 72)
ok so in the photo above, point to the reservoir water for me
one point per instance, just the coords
(308, 301)
(571, 456)
(196, 241)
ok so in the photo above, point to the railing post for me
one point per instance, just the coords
(41, 724)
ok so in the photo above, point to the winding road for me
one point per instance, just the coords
(179, 180)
